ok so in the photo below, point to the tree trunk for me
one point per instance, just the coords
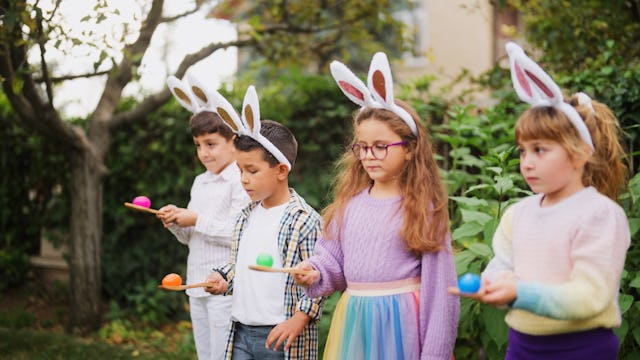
(86, 238)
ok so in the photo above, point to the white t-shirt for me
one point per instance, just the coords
(258, 297)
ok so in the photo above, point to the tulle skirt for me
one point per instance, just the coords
(376, 321)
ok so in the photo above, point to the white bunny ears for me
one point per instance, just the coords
(379, 94)
(535, 87)
(195, 97)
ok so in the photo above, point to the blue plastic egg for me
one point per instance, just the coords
(469, 283)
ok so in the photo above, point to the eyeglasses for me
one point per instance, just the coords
(379, 151)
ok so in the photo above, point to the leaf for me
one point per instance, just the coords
(494, 324)
(467, 230)
(503, 184)
(635, 282)
(478, 216)
(489, 230)
(17, 84)
(462, 260)
(634, 225)
(636, 335)
(625, 301)
(469, 201)
(481, 249)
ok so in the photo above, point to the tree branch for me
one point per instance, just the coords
(59, 79)
(43, 62)
(179, 16)
(131, 56)
(23, 94)
(156, 100)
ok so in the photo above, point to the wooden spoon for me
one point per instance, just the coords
(140, 208)
(184, 287)
(280, 270)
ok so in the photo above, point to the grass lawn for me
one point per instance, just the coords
(32, 327)
(37, 344)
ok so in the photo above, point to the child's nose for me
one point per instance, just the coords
(526, 162)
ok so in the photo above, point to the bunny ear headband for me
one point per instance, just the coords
(379, 93)
(196, 98)
(535, 87)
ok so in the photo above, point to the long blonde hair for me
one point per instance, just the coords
(606, 169)
(424, 195)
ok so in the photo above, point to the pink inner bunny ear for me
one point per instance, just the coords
(379, 84)
(345, 86)
(524, 84)
(539, 84)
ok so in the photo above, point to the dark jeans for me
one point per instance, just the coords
(249, 343)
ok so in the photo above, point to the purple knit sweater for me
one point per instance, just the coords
(369, 249)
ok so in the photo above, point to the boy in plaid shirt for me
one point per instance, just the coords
(272, 318)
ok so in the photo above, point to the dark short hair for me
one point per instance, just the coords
(207, 122)
(278, 135)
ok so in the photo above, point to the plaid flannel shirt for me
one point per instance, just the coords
(299, 229)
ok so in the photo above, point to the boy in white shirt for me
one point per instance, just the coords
(206, 226)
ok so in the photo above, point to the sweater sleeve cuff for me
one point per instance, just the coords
(528, 297)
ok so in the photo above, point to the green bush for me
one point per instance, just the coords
(31, 171)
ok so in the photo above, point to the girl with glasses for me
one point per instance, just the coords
(386, 242)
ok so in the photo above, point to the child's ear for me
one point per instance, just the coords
(582, 158)
(408, 155)
(282, 172)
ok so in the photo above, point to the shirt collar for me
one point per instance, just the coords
(229, 173)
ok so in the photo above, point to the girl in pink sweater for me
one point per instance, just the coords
(386, 240)
(559, 254)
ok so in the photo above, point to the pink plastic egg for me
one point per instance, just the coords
(142, 201)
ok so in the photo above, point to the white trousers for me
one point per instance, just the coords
(210, 318)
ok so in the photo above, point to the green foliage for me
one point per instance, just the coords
(574, 34)
(16, 318)
(14, 265)
(319, 116)
(29, 186)
(593, 48)
(325, 30)
(155, 158)
(480, 170)
(629, 299)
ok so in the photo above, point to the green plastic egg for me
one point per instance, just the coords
(264, 259)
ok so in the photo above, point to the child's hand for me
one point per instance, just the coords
(502, 292)
(167, 214)
(310, 278)
(287, 330)
(185, 217)
(221, 285)
(478, 295)
(182, 217)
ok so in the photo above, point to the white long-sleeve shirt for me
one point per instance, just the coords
(217, 199)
